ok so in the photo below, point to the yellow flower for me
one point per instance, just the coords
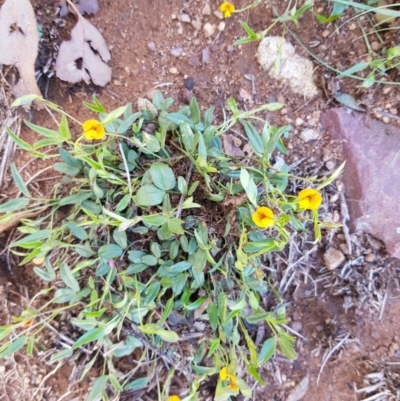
(309, 199)
(263, 217)
(227, 8)
(224, 375)
(173, 398)
(93, 129)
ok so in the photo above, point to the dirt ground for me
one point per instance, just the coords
(347, 325)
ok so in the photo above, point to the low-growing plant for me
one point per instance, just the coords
(127, 244)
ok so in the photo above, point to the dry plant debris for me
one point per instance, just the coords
(88, 47)
(19, 43)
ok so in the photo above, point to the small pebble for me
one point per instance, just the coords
(375, 46)
(209, 29)
(309, 135)
(386, 119)
(151, 46)
(221, 26)
(189, 83)
(325, 33)
(387, 89)
(205, 55)
(370, 257)
(333, 258)
(393, 110)
(177, 51)
(173, 70)
(352, 26)
(194, 61)
(299, 121)
(206, 10)
(330, 165)
(219, 14)
(185, 18)
(196, 24)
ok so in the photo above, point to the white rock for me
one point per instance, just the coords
(279, 59)
(173, 71)
(177, 51)
(221, 26)
(185, 18)
(333, 258)
(206, 10)
(309, 135)
(209, 29)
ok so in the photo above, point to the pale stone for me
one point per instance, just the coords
(209, 29)
(333, 258)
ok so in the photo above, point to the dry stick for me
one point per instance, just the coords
(346, 216)
(128, 175)
(332, 351)
(47, 376)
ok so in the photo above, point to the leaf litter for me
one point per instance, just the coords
(84, 57)
(19, 41)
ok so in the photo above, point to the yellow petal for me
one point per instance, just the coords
(93, 129)
(38, 261)
(309, 199)
(173, 398)
(263, 217)
(223, 374)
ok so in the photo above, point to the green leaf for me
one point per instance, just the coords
(19, 182)
(22, 144)
(68, 278)
(149, 260)
(120, 238)
(77, 230)
(175, 225)
(168, 336)
(75, 199)
(254, 138)
(178, 267)
(37, 236)
(355, 68)
(194, 110)
(15, 346)
(65, 353)
(99, 386)
(267, 351)
(212, 311)
(63, 129)
(113, 115)
(162, 176)
(155, 219)
(287, 348)
(182, 185)
(91, 335)
(110, 251)
(137, 383)
(24, 100)
(66, 169)
(15, 204)
(71, 161)
(257, 317)
(48, 133)
(149, 195)
(63, 295)
(43, 274)
(249, 186)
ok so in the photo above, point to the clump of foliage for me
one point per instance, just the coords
(135, 247)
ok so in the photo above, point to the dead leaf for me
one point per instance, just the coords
(19, 43)
(232, 145)
(84, 57)
(16, 218)
(84, 7)
(246, 96)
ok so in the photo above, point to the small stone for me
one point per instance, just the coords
(206, 10)
(370, 258)
(185, 18)
(299, 121)
(177, 51)
(393, 110)
(214, 48)
(151, 46)
(187, 95)
(230, 49)
(189, 83)
(221, 26)
(173, 70)
(309, 135)
(117, 83)
(196, 24)
(194, 61)
(296, 326)
(330, 165)
(375, 46)
(387, 89)
(325, 33)
(352, 26)
(205, 56)
(219, 14)
(333, 258)
(209, 29)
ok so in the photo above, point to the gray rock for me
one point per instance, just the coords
(309, 135)
(185, 18)
(372, 173)
(177, 51)
(333, 258)
(206, 10)
(205, 55)
(151, 45)
(196, 24)
(209, 29)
